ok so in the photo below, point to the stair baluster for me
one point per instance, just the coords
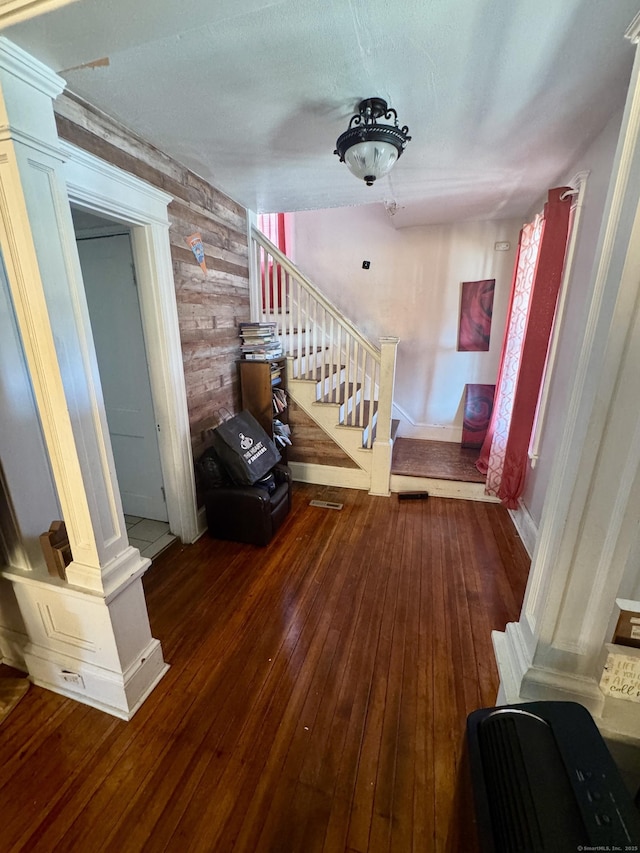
(326, 348)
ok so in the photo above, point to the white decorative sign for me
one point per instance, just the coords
(621, 677)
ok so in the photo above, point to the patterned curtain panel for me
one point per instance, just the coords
(534, 293)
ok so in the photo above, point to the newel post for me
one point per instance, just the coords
(383, 444)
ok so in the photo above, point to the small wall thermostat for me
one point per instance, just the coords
(502, 247)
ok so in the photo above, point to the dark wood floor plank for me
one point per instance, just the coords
(402, 804)
(423, 798)
(316, 697)
(291, 752)
(348, 726)
(367, 777)
(266, 649)
(314, 768)
(71, 746)
(447, 673)
(391, 742)
(286, 686)
(321, 764)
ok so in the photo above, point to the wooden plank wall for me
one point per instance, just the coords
(311, 444)
(211, 305)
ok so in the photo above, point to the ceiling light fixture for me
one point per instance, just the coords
(370, 149)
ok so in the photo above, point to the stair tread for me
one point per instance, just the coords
(319, 374)
(306, 351)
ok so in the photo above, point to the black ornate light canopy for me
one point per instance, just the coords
(370, 149)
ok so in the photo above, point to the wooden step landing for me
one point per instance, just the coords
(441, 460)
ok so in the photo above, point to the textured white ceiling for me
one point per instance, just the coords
(500, 96)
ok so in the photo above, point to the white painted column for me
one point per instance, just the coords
(255, 294)
(588, 549)
(89, 637)
(383, 444)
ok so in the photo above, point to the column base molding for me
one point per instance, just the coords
(96, 650)
(521, 682)
(117, 693)
(124, 569)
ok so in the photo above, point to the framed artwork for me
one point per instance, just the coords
(478, 406)
(476, 309)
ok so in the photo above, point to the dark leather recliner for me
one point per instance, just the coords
(249, 514)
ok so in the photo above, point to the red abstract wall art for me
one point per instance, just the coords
(476, 308)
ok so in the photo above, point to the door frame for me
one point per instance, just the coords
(101, 188)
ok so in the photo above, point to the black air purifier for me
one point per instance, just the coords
(544, 782)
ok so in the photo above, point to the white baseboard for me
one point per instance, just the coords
(408, 428)
(526, 527)
(441, 488)
(429, 432)
(330, 475)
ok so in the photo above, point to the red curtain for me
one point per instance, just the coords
(534, 293)
(272, 226)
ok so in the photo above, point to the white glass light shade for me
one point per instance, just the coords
(371, 159)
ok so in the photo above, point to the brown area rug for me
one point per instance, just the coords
(11, 692)
(440, 460)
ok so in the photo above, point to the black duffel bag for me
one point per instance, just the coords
(210, 472)
(244, 448)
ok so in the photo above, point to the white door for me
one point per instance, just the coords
(112, 296)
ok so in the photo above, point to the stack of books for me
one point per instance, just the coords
(279, 400)
(259, 341)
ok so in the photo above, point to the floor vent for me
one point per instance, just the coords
(326, 504)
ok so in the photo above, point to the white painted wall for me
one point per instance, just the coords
(412, 290)
(598, 161)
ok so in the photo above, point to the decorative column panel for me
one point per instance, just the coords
(383, 445)
(89, 638)
(39, 250)
(588, 539)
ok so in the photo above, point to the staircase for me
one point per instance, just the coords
(339, 378)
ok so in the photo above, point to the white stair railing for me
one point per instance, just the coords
(322, 343)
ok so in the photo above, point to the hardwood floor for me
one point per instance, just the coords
(317, 694)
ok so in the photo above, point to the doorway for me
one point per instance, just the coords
(108, 271)
(104, 190)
